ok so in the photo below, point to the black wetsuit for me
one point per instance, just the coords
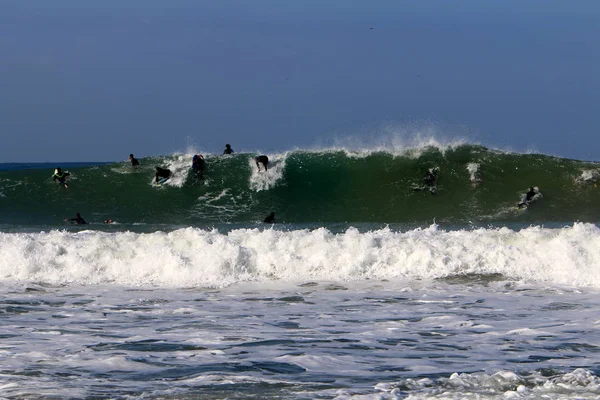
(134, 162)
(61, 177)
(162, 173)
(270, 218)
(264, 160)
(430, 178)
(228, 150)
(528, 197)
(198, 166)
(198, 163)
(78, 220)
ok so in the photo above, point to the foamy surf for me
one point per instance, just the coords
(194, 257)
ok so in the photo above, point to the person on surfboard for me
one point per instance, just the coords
(198, 165)
(134, 161)
(77, 220)
(162, 173)
(228, 149)
(264, 160)
(528, 198)
(61, 177)
(429, 181)
(431, 176)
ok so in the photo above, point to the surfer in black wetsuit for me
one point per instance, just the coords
(61, 177)
(264, 160)
(228, 149)
(77, 220)
(161, 173)
(270, 218)
(134, 161)
(430, 181)
(198, 165)
(528, 197)
(431, 177)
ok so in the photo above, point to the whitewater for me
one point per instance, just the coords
(368, 286)
(192, 257)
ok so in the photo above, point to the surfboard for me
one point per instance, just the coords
(160, 182)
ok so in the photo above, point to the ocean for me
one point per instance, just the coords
(373, 283)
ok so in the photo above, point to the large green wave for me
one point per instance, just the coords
(474, 184)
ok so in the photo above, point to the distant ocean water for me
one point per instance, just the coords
(371, 285)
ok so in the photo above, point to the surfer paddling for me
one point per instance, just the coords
(78, 220)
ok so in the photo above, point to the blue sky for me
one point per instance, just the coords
(94, 81)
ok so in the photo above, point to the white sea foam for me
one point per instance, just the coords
(473, 169)
(579, 384)
(193, 257)
(588, 176)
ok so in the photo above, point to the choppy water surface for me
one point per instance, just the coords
(478, 336)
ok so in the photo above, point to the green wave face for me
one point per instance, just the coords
(473, 184)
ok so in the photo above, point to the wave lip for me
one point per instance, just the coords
(193, 257)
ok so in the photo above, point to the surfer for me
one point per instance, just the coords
(198, 164)
(162, 173)
(77, 220)
(264, 160)
(528, 198)
(270, 218)
(228, 149)
(134, 161)
(430, 181)
(431, 177)
(61, 177)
